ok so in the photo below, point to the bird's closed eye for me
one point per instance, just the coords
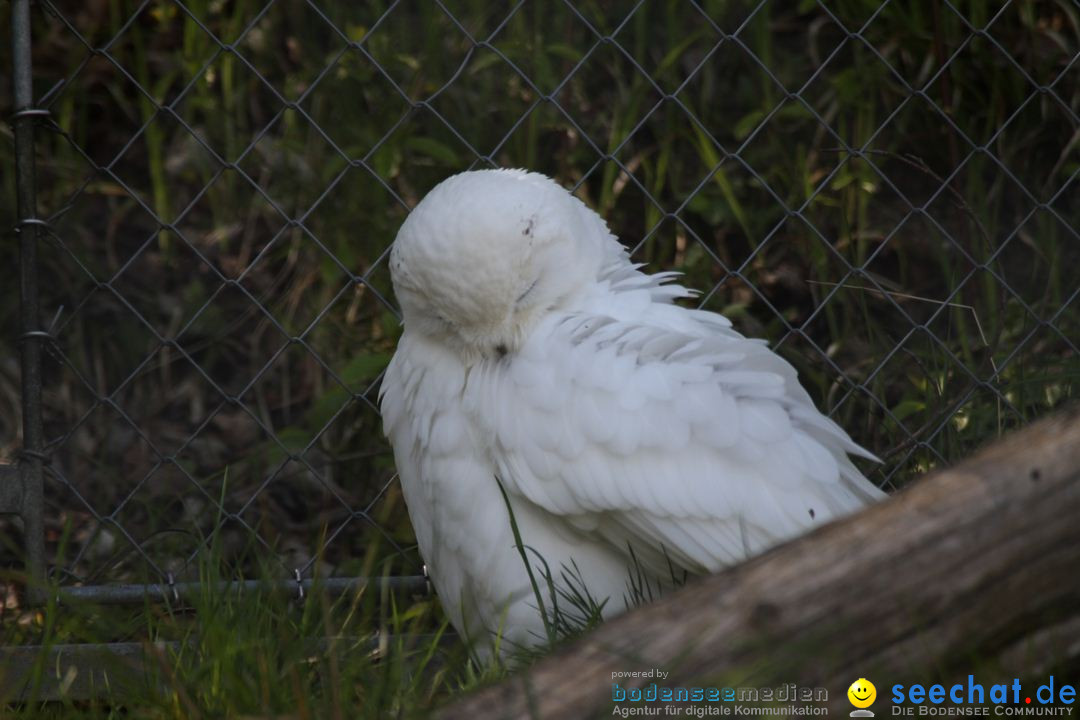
(527, 291)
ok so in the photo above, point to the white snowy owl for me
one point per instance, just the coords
(627, 432)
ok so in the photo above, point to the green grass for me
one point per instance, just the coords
(953, 329)
(230, 653)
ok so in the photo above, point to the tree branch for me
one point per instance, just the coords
(973, 567)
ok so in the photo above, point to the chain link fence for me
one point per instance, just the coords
(886, 191)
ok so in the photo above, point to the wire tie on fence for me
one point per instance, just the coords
(35, 455)
(171, 582)
(44, 334)
(38, 222)
(29, 112)
(299, 584)
(427, 580)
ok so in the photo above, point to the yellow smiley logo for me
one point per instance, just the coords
(862, 693)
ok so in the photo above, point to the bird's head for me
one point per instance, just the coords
(486, 254)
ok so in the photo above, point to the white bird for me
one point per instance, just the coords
(627, 432)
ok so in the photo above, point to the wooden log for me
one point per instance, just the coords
(973, 569)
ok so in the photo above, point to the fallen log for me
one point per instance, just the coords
(972, 570)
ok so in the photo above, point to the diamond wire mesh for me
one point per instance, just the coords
(885, 193)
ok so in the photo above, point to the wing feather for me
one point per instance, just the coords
(695, 440)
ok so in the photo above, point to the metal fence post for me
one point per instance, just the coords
(31, 463)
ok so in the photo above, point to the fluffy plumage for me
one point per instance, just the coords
(534, 352)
